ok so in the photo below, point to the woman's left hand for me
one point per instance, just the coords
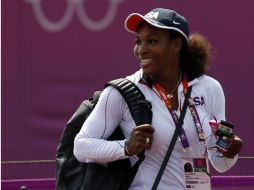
(234, 148)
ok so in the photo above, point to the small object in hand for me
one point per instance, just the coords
(224, 132)
(234, 147)
(147, 140)
(225, 129)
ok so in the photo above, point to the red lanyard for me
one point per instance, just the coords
(194, 113)
(185, 85)
(166, 99)
(163, 94)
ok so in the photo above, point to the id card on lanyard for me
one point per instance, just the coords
(197, 175)
(166, 99)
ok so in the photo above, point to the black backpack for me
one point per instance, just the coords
(74, 175)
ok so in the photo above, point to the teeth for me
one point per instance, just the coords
(145, 61)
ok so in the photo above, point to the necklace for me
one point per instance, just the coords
(170, 95)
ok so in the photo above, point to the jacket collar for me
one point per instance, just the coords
(149, 81)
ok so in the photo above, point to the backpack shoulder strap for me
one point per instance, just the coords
(139, 107)
(141, 112)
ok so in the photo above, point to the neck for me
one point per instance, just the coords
(170, 81)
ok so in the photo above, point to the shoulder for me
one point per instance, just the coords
(135, 78)
(210, 91)
(207, 88)
(208, 83)
(111, 91)
(113, 95)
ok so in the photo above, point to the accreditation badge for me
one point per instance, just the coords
(196, 173)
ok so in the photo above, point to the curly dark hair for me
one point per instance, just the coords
(196, 55)
(199, 55)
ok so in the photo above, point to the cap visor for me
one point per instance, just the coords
(133, 20)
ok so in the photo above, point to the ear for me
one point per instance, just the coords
(177, 45)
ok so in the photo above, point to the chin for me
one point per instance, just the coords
(147, 71)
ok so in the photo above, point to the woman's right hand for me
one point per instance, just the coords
(141, 138)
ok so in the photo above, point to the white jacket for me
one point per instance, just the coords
(111, 111)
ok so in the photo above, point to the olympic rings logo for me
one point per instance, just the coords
(74, 5)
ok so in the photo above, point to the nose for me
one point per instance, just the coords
(140, 49)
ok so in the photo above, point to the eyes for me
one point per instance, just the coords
(150, 41)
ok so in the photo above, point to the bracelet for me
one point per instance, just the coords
(126, 149)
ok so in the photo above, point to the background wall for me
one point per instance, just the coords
(55, 53)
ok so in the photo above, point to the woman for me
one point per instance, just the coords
(170, 60)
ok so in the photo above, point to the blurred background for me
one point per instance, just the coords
(56, 53)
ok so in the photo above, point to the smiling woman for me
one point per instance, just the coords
(171, 61)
